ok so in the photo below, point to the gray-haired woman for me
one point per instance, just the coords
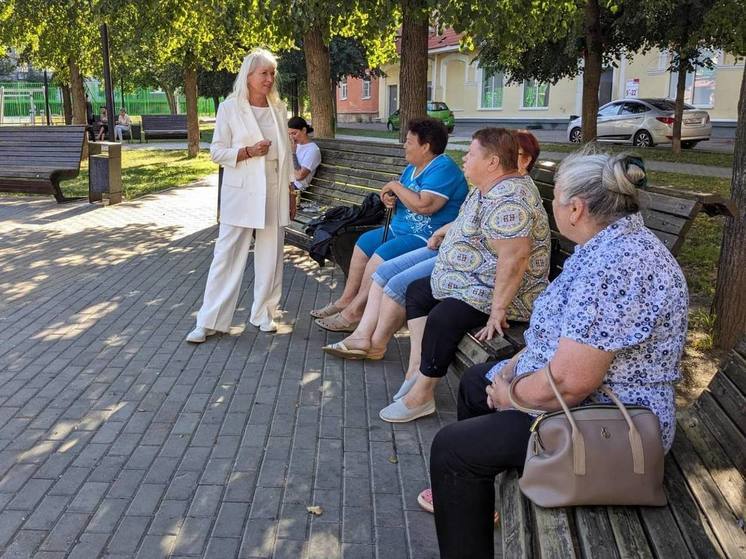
(251, 142)
(617, 314)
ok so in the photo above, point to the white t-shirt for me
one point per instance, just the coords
(309, 156)
(266, 123)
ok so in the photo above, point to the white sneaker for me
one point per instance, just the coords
(270, 326)
(199, 335)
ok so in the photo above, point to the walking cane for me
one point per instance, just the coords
(386, 223)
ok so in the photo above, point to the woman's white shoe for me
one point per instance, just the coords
(199, 335)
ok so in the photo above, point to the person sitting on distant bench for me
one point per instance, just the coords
(124, 122)
(102, 125)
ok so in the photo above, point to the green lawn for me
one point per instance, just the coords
(149, 170)
(655, 154)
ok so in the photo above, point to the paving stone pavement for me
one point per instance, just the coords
(117, 439)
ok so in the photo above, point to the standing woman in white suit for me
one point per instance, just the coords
(251, 142)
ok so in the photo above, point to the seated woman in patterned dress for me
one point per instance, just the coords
(616, 315)
(492, 264)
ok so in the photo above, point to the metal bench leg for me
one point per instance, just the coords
(61, 198)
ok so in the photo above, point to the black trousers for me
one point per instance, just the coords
(447, 322)
(465, 457)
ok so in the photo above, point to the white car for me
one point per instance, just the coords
(645, 123)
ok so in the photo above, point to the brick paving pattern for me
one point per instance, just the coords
(119, 440)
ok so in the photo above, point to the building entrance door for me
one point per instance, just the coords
(393, 99)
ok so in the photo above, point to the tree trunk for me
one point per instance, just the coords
(77, 94)
(67, 105)
(190, 92)
(678, 113)
(77, 97)
(171, 99)
(413, 68)
(730, 294)
(592, 59)
(319, 77)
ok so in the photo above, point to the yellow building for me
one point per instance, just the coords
(476, 97)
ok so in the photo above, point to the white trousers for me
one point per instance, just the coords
(229, 261)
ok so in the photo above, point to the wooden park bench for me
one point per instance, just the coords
(349, 171)
(34, 159)
(705, 481)
(164, 126)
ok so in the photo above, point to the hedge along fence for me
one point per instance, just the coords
(22, 99)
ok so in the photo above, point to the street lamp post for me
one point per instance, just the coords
(46, 97)
(108, 89)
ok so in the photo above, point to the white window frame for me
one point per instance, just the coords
(366, 82)
(343, 89)
(674, 76)
(483, 79)
(523, 96)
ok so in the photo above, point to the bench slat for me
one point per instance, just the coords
(722, 428)
(730, 399)
(555, 530)
(371, 179)
(629, 532)
(678, 530)
(596, 535)
(710, 500)
(732, 484)
(664, 535)
(515, 518)
(735, 370)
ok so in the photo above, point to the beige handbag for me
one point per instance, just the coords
(597, 454)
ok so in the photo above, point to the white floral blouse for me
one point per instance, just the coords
(622, 292)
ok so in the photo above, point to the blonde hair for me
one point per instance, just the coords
(257, 58)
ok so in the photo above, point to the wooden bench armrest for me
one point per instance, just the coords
(712, 204)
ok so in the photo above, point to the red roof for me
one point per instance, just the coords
(448, 38)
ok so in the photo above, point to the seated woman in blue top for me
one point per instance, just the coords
(428, 195)
(616, 315)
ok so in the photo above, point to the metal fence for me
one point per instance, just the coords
(23, 102)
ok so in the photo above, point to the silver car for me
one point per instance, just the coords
(645, 123)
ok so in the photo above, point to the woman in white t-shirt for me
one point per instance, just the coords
(251, 143)
(306, 154)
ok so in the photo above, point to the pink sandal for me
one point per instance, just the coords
(425, 500)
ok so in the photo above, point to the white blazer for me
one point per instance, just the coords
(244, 192)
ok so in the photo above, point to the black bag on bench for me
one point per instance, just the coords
(339, 219)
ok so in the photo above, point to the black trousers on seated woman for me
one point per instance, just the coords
(465, 457)
(447, 322)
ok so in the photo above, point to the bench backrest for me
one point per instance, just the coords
(44, 147)
(349, 171)
(667, 212)
(164, 122)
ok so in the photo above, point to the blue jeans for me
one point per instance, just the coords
(370, 243)
(396, 274)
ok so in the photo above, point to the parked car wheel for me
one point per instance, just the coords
(689, 144)
(643, 139)
(576, 135)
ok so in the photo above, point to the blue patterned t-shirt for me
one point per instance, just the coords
(621, 292)
(441, 177)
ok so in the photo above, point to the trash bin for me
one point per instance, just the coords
(105, 172)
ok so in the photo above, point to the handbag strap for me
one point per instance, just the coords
(635, 440)
(578, 442)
